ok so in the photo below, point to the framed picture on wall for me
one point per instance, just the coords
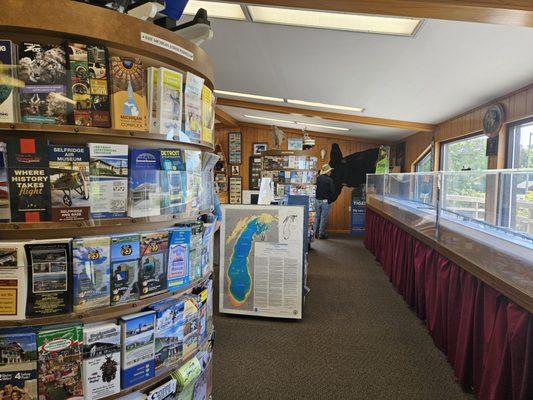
(258, 148)
(235, 190)
(295, 143)
(255, 172)
(235, 170)
(221, 182)
(235, 148)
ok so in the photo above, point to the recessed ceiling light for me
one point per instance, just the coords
(323, 105)
(334, 20)
(249, 96)
(216, 9)
(337, 128)
(270, 119)
(296, 123)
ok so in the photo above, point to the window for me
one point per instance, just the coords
(465, 194)
(465, 154)
(520, 145)
(516, 210)
(424, 164)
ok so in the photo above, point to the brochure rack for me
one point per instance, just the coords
(55, 22)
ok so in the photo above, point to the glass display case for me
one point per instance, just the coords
(485, 217)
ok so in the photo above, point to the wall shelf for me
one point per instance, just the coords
(104, 313)
(50, 230)
(75, 134)
(160, 376)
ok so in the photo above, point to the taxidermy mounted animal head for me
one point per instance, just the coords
(279, 137)
(351, 170)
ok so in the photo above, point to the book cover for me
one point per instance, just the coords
(208, 115)
(109, 180)
(153, 263)
(173, 181)
(193, 108)
(18, 366)
(101, 359)
(60, 363)
(145, 186)
(125, 253)
(153, 99)
(178, 258)
(29, 182)
(13, 284)
(7, 82)
(138, 348)
(128, 98)
(170, 102)
(5, 212)
(69, 181)
(91, 261)
(168, 333)
(43, 69)
(13, 254)
(49, 277)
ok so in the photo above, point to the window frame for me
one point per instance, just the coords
(421, 158)
(443, 143)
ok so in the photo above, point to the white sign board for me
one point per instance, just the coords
(165, 44)
(261, 260)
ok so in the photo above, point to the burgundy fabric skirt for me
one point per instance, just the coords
(487, 338)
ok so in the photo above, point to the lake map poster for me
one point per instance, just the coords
(261, 260)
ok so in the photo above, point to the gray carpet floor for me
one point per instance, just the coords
(357, 340)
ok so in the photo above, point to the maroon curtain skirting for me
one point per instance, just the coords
(486, 337)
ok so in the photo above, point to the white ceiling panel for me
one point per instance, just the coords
(355, 130)
(447, 68)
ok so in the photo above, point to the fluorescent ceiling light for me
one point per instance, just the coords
(323, 105)
(248, 96)
(334, 20)
(270, 119)
(297, 123)
(216, 9)
(323, 126)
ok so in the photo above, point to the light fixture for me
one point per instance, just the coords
(337, 128)
(334, 20)
(323, 105)
(248, 96)
(270, 119)
(304, 124)
(216, 9)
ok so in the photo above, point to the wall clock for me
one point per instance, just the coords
(493, 120)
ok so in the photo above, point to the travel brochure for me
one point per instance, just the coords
(41, 278)
(97, 360)
(80, 84)
(40, 181)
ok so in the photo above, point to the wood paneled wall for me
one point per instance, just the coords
(339, 219)
(415, 146)
(518, 105)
